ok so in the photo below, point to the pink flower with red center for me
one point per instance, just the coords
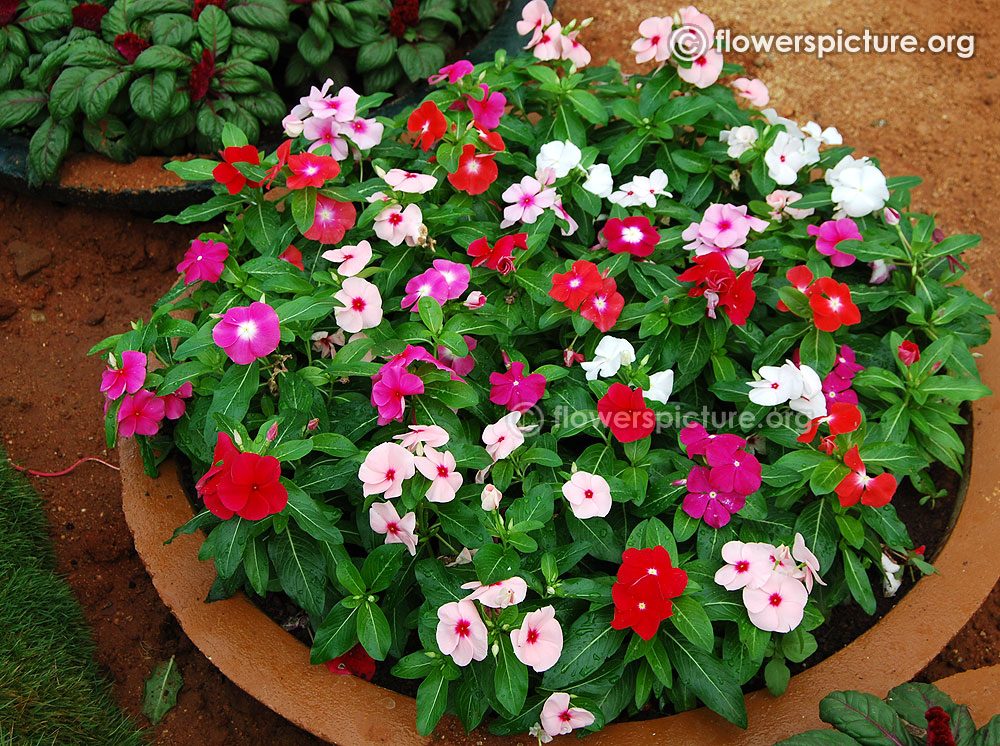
(396, 224)
(409, 182)
(831, 233)
(293, 256)
(634, 236)
(389, 392)
(204, 260)
(778, 605)
(575, 286)
(704, 501)
(558, 718)
(384, 470)
(128, 378)
(440, 469)
(342, 107)
(322, 132)
(497, 595)
(461, 632)
(475, 300)
(140, 414)
(173, 403)
(461, 365)
(515, 390)
(130, 46)
(503, 437)
(331, 221)
(384, 519)
(475, 173)
(588, 495)
(908, 352)
(858, 486)
(453, 72)
(362, 305)
(605, 306)
(723, 230)
(352, 259)
(226, 173)
(310, 170)
(539, 642)
(747, 565)
(486, 113)
(364, 133)
(248, 333)
(418, 436)
(655, 41)
(535, 16)
(428, 284)
(529, 199)
(573, 50)
(808, 571)
(549, 45)
(500, 255)
(753, 90)
(251, 487)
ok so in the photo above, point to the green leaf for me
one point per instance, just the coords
(864, 717)
(304, 208)
(373, 630)
(432, 697)
(336, 635)
(350, 577)
(150, 94)
(162, 57)
(159, 692)
(215, 29)
(431, 314)
(225, 544)
(819, 529)
(494, 563)
(510, 681)
(588, 106)
(48, 147)
(604, 543)
(710, 679)
(301, 569)
(420, 60)
(858, 582)
(588, 643)
(309, 516)
(257, 565)
(17, 107)
(381, 566)
(954, 389)
(776, 676)
(692, 621)
(232, 396)
(100, 89)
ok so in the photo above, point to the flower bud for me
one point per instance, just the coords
(272, 432)
(890, 216)
(312, 424)
(909, 353)
(491, 497)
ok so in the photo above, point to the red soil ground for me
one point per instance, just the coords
(71, 276)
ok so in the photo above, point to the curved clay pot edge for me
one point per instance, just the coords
(257, 655)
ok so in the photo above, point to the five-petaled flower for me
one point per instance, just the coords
(247, 333)
(634, 235)
(231, 177)
(428, 123)
(859, 486)
(625, 412)
(642, 593)
(475, 172)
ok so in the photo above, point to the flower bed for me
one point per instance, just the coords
(576, 417)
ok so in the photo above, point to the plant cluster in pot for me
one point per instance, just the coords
(571, 396)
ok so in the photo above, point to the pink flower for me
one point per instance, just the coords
(574, 51)
(455, 274)
(515, 390)
(810, 565)
(248, 333)
(453, 72)
(487, 113)
(562, 212)
(173, 403)
(490, 498)
(203, 260)
(321, 132)
(589, 495)
(389, 392)
(737, 472)
(534, 18)
(341, 107)
(529, 200)
(140, 414)
(503, 437)
(549, 46)
(558, 718)
(497, 595)
(831, 233)
(704, 70)
(655, 41)
(776, 606)
(723, 230)
(778, 201)
(475, 300)
(325, 343)
(635, 236)
(362, 305)
(748, 565)
(539, 642)
(384, 519)
(461, 365)
(352, 259)
(365, 133)
(753, 90)
(440, 469)
(331, 221)
(432, 436)
(428, 284)
(461, 633)
(409, 182)
(395, 225)
(128, 378)
(704, 501)
(384, 470)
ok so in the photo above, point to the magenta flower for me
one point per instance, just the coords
(463, 366)
(140, 414)
(248, 333)
(389, 392)
(428, 284)
(736, 472)
(539, 641)
(440, 469)
(203, 260)
(487, 113)
(128, 378)
(384, 470)
(173, 403)
(384, 519)
(832, 232)
(455, 274)
(703, 501)
(846, 365)
(515, 390)
(453, 72)
(635, 235)
(461, 632)
(698, 442)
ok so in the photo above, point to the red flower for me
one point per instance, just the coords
(801, 277)
(624, 410)
(499, 256)
(492, 139)
(355, 661)
(403, 15)
(428, 120)
(843, 418)
(909, 353)
(938, 728)
(200, 5)
(633, 235)
(332, 220)
(873, 491)
(207, 487)
(605, 306)
(310, 170)
(284, 153)
(832, 306)
(715, 279)
(575, 286)
(201, 76)
(251, 487)
(87, 15)
(227, 173)
(130, 46)
(293, 256)
(646, 582)
(475, 171)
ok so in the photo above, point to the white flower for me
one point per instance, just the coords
(661, 386)
(859, 188)
(784, 159)
(611, 354)
(890, 581)
(599, 180)
(791, 127)
(778, 384)
(536, 731)
(829, 136)
(490, 498)
(812, 401)
(642, 190)
(561, 157)
(740, 140)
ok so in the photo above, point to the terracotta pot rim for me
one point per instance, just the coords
(271, 665)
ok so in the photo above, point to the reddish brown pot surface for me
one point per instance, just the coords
(979, 689)
(260, 657)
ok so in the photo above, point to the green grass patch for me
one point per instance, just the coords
(50, 689)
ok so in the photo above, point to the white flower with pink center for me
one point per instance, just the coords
(784, 159)
(778, 605)
(325, 132)
(365, 133)
(384, 519)
(498, 595)
(588, 495)
(747, 565)
(461, 632)
(409, 181)
(655, 41)
(539, 641)
(503, 437)
(395, 224)
(341, 107)
(362, 305)
(549, 46)
(440, 469)
(384, 470)
(352, 259)
(433, 436)
(529, 200)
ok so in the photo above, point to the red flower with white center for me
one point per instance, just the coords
(476, 171)
(646, 582)
(428, 123)
(574, 287)
(715, 279)
(625, 412)
(843, 418)
(230, 176)
(831, 305)
(872, 491)
(605, 306)
(801, 277)
(634, 236)
(309, 170)
(500, 255)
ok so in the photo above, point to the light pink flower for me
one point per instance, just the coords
(574, 51)
(440, 469)
(475, 300)
(384, 470)
(549, 46)
(498, 595)
(810, 565)
(453, 72)
(247, 333)
(409, 182)
(140, 414)
(457, 276)
(352, 259)
(777, 606)
(362, 305)
(325, 132)
(384, 519)
(704, 70)
(395, 225)
(539, 642)
(203, 260)
(365, 133)
(341, 107)
(432, 436)
(778, 201)
(503, 437)
(561, 212)
(128, 378)
(753, 90)
(589, 495)
(655, 41)
(748, 565)
(173, 403)
(529, 200)
(558, 718)
(490, 498)
(461, 633)
(534, 18)
(326, 344)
